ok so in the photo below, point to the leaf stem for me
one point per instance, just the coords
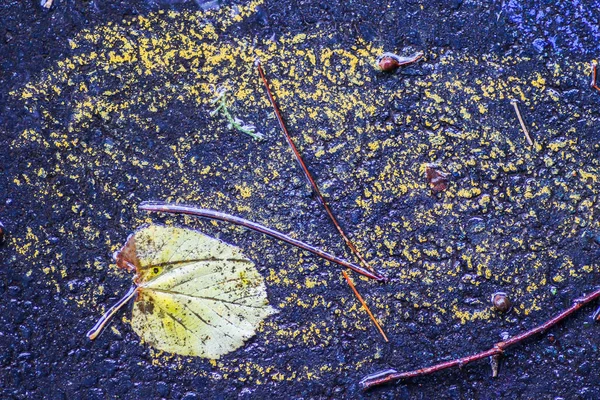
(97, 329)
(215, 215)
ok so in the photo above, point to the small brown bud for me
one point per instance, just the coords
(388, 64)
(501, 302)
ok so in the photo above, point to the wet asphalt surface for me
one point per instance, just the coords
(43, 349)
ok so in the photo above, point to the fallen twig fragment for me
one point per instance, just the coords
(218, 216)
(495, 364)
(389, 61)
(307, 174)
(364, 304)
(515, 104)
(595, 75)
(317, 192)
(391, 375)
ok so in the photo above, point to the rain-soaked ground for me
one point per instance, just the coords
(104, 105)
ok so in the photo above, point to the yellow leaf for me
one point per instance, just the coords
(196, 295)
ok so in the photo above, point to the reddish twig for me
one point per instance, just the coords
(317, 192)
(215, 215)
(307, 174)
(595, 75)
(392, 375)
(364, 304)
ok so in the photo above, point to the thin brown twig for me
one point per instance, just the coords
(364, 304)
(595, 75)
(317, 192)
(392, 375)
(515, 104)
(218, 216)
(307, 174)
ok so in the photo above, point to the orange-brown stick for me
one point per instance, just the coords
(317, 192)
(362, 301)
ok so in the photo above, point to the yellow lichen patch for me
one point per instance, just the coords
(465, 316)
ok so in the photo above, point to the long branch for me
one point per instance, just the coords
(215, 215)
(391, 375)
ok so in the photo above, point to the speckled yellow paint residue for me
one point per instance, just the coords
(244, 190)
(332, 99)
(465, 316)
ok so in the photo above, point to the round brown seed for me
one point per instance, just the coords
(501, 302)
(388, 64)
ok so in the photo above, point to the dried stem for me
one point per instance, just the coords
(392, 375)
(215, 215)
(317, 192)
(307, 174)
(97, 329)
(362, 301)
(595, 75)
(515, 104)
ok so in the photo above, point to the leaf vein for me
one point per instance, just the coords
(217, 300)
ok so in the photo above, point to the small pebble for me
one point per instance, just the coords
(584, 369)
(539, 45)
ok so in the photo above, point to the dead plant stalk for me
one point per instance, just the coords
(317, 192)
(388, 376)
